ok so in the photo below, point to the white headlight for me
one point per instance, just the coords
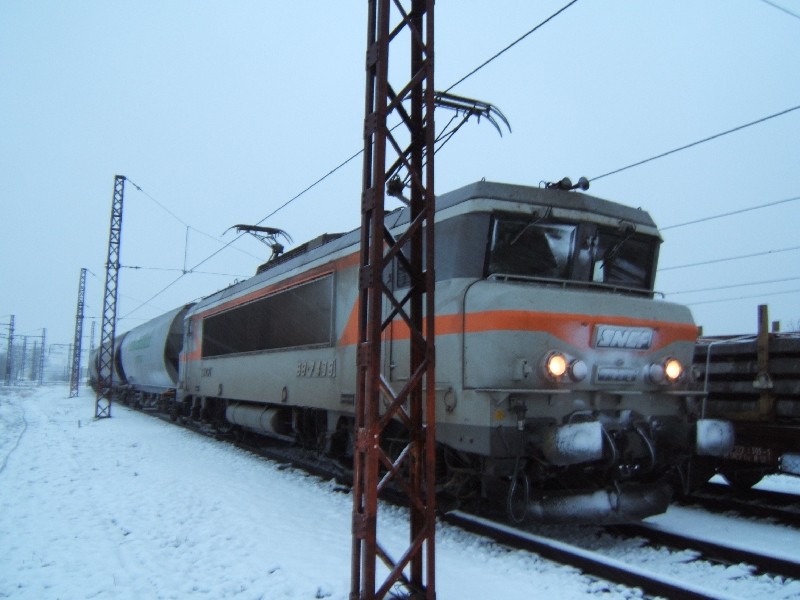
(555, 365)
(673, 369)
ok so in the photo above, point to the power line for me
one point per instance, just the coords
(213, 254)
(787, 11)
(512, 44)
(180, 271)
(743, 298)
(718, 260)
(176, 217)
(475, 70)
(317, 182)
(728, 214)
(336, 168)
(731, 286)
(698, 142)
(182, 222)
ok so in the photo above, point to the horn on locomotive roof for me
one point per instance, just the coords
(267, 235)
(567, 185)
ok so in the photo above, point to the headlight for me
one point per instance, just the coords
(673, 369)
(667, 371)
(555, 365)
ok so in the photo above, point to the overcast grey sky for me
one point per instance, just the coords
(223, 111)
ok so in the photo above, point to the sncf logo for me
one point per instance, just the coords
(635, 338)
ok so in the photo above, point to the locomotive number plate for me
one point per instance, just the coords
(316, 368)
(634, 338)
(616, 375)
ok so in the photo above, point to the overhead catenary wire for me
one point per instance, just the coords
(182, 222)
(696, 143)
(733, 285)
(464, 78)
(733, 212)
(729, 258)
(194, 272)
(511, 45)
(783, 293)
(336, 168)
(458, 82)
(781, 8)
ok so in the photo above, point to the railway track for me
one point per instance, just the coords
(588, 561)
(592, 563)
(710, 550)
(601, 565)
(762, 504)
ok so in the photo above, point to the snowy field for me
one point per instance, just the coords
(132, 507)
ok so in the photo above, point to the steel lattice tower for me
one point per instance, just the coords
(105, 366)
(412, 144)
(21, 369)
(10, 353)
(41, 356)
(75, 370)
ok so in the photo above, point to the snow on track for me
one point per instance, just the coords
(132, 507)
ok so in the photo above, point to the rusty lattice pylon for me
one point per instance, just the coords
(408, 110)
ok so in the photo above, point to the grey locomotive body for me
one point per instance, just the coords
(559, 376)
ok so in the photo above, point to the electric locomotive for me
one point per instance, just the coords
(561, 385)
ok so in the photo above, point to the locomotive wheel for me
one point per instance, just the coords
(222, 426)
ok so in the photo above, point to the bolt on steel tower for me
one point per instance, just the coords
(75, 370)
(105, 362)
(411, 140)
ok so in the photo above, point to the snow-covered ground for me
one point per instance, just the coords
(132, 507)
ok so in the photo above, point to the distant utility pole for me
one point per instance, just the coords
(75, 371)
(105, 362)
(10, 353)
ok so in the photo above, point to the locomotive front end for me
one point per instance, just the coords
(576, 390)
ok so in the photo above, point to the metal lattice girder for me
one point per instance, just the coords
(105, 366)
(75, 370)
(411, 144)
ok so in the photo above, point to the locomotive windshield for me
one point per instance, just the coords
(531, 249)
(623, 259)
(583, 252)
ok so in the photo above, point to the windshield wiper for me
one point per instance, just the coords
(611, 253)
(534, 220)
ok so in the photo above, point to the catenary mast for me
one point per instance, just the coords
(105, 362)
(408, 177)
(75, 370)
